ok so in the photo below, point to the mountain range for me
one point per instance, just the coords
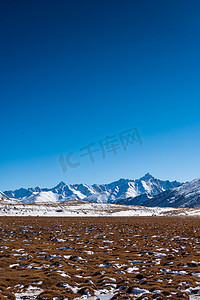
(146, 191)
(114, 192)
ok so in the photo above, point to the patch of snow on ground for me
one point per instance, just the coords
(30, 293)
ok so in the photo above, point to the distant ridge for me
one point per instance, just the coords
(121, 190)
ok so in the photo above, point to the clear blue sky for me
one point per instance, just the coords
(74, 72)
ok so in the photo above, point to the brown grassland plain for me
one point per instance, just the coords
(74, 257)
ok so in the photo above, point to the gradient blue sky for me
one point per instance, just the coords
(74, 72)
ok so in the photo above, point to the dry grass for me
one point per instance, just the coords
(70, 257)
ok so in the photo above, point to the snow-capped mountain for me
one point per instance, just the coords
(103, 193)
(186, 195)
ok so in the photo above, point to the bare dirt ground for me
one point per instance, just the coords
(87, 258)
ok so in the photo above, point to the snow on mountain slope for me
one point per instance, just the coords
(103, 193)
(186, 195)
(67, 192)
(2, 195)
(5, 200)
(124, 189)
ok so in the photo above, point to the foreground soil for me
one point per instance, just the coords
(85, 258)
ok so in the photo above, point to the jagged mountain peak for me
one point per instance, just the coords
(147, 176)
(60, 185)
